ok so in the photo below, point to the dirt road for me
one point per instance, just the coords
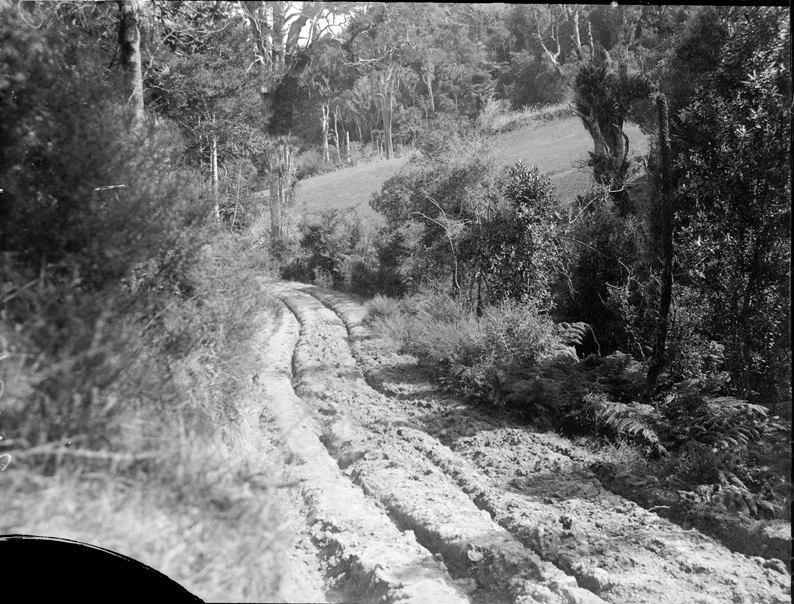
(407, 495)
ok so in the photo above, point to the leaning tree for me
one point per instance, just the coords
(602, 95)
(602, 100)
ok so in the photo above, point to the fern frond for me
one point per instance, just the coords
(572, 334)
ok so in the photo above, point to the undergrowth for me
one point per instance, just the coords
(496, 117)
(125, 335)
(514, 357)
(120, 420)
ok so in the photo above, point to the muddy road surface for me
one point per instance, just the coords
(404, 494)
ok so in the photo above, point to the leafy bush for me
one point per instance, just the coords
(311, 163)
(112, 299)
(493, 232)
(733, 188)
(468, 353)
(515, 249)
(333, 252)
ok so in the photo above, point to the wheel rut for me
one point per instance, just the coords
(367, 558)
(501, 514)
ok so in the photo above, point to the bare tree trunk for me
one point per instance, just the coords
(214, 162)
(387, 135)
(281, 174)
(130, 44)
(325, 111)
(347, 146)
(358, 129)
(237, 197)
(590, 39)
(576, 37)
(385, 98)
(428, 78)
(336, 134)
(553, 56)
(279, 40)
(666, 295)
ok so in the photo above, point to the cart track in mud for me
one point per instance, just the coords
(408, 495)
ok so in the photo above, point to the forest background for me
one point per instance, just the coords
(136, 135)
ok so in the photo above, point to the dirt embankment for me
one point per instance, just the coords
(408, 495)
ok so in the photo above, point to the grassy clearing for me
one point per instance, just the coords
(558, 146)
(348, 188)
(496, 119)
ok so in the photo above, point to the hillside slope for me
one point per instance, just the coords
(558, 148)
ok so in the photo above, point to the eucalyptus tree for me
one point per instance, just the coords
(285, 35)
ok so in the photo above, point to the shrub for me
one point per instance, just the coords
(468, 353)
(311, 163)
(514, 248)
(606, 274)
(496, 119)
(330, 252)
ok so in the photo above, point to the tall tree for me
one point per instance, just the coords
(603, 100)
(285, 35)
(731, 137)
(666, 223)
(130, 45)
(197, 78)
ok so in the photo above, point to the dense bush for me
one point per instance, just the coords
(731, 146)
(603, 251)
(515, 249)
(112, 300)
(493, 233)
(333, 251)
(311, 163)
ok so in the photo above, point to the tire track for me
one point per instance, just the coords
(557, 508)
(369, 558)
(478, 552)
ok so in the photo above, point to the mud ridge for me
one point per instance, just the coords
(366, 556)
(541, 492)
(487, 560)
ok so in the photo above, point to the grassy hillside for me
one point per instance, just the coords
(557, 147)
(346, 188)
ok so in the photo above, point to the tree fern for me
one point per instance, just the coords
(615, 420)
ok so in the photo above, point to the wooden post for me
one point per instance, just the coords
(666, 294)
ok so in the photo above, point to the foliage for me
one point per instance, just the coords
(198, 79)
(514, 248)
(310, 163)
(325, 253)
(603, 100)
(125, 320)
(605, 269)
(722, 423)
(496, 119)
(443, 189)
(514, 357)
(495, 231)
(732, 141)
(64, 139)
(617, 421)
